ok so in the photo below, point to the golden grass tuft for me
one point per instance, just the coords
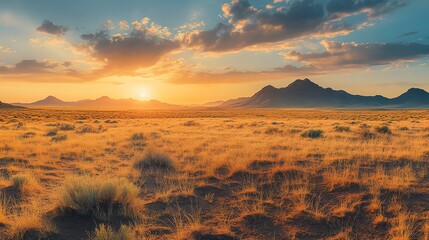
(98, 196)
(103, 232)
(154, 160)
(25, 183)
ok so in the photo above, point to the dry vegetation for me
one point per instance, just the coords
(243, 174)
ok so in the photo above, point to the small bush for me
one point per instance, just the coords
(25, 183)
(384, 130)
(59, 138)
(342, 129)
(367, 134)
(65, 127)
(91, 129)
(272, 131)
(51, 133)
(27, 135)
(152, 160)
(138, 137)
(312, 134)
(99, 197)
(404, 129)
(107, 233)
(111, 121)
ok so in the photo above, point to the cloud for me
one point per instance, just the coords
(29, 66)
(123, 54)
(192, 25)
(408, 34)
(361, 54)
(50, 28)
(6, 50)
(32, 70)
(373, 8)
(123, 25)
(250, 26)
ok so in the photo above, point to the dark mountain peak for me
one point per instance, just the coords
(416, 91)
(267, 91)
(413, 97)
(303, 84)
(268, 87)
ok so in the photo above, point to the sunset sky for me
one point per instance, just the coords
(195, 51)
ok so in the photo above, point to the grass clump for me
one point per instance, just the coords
(25, 183)
(138, 139)
(273, 131)
(103, 233)
(59, 138)
(154, 160)
(342, 129)
(91, 129)
(384, 130)
(99, 197)
(65, 127)
(312, 134)
(367, 135)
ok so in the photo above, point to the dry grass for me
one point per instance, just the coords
(241, 174)
(103, 232)
(100, 197)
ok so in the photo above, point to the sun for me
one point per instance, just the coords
(143, 94)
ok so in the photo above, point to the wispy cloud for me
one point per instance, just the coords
(361, 54)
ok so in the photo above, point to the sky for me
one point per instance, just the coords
(196, 51)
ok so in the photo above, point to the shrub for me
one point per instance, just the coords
(25, 183)
(342, 129)
(65, 127)
(107, 233)
(384, 130)
(91, 129)
(138, 139)
(367, 134)
(404, 129)
(312, 134)
(28, 135)
(111, 121)
(154, 160)
(99, 197)
(272, 131)
(51, 133)
(59, 138)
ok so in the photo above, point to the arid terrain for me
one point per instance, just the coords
(227, 174)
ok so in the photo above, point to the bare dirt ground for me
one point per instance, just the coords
(232, 174)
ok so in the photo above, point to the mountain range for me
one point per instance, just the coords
(102, 102)
(298, 94)
(307, 94)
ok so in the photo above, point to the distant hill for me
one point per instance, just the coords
(49, 101)
(103, 102)
(7, 106)
(307, 94)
